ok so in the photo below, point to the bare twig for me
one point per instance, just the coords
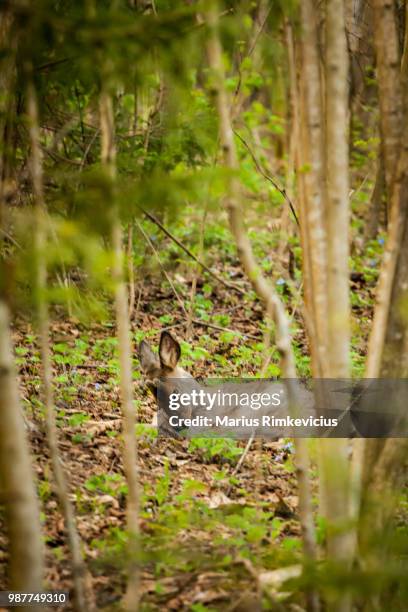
(151, 245)
(18, 494)
(83, 593)
(190, 254)
(267, 176)
(243, 456)
(10, 237)
(195, 275)
(89, 145)
(131, 270)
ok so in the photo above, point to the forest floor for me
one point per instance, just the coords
(207, 532)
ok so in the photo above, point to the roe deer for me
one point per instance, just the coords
(373, 408)
(162, 373)
(166, 379)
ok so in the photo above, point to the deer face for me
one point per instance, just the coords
(162, 371)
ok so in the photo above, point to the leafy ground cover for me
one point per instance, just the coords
(206, 528)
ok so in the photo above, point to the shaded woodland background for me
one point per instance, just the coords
(235, 173)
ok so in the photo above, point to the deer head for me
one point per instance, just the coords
(162, 371)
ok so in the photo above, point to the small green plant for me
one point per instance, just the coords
(161, 492)
(145, 432)
(216, 448)
(44, 490)
(110, 484)
(76, 420)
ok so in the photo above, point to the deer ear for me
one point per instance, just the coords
(169, 351)
(148, 360)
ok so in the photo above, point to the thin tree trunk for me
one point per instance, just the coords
(335, 460)
(79, 571)
(376, 201)
(291, 139)
(387, 356)
(17, 484)
(311, 171)
(385, 286)
(404, 59)
(323, 174)
(337, 190)
(389, 86)
(262, 287)
(381, 461)
(108, 156)
(312, 219)
(389, 281)
(398, 195)
(355, 10)
(196, 269)
(131, 270)
(7, 101)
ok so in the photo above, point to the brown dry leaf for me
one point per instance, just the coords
(273, 580)
(108, 500)
(207, 597)
(218, 499)
(95, 429)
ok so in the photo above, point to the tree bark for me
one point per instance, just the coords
(108, 157)
(404, 58)
(376, 202)
(387, 351)
(7, 101)
(262, 287)
(358, 44)
(83, 595)
(337, 190)
(335, 468)
(26, 566)
(311, 174)
(387, 354)
(389, 86)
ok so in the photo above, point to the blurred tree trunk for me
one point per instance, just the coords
(404, 59)
(82, 592)
(292, 138)
(8, 46)
(376, 202)
(390, 358)
(383, 460)
(388, 333)
(108, 157)
(357, 24)
(17, 484)
(389, 86)
(263, 288)
(311, 176)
